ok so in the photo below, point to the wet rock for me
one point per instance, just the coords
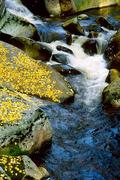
(65, 69)
(103, 22)
(64, 49)
(22, 73)
(60, 58)
(20, 167)
(93, 34)
(113, 75)
(112, 52)
(73, 26)
(111, 95)
(69, 38)
(23, 126)
(75, 29)
(90, 47)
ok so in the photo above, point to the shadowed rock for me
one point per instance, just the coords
(112, 52)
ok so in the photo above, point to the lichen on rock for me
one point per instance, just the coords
(20, 167)
(22, 73)
(24, 127)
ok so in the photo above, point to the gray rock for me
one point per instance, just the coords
(23, 126)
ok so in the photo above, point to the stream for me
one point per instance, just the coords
(86, 140)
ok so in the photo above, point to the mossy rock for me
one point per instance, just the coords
(113, 75)
(20, 168)
(111, 95)
(21, 73)
(24, 128)
(112, 52)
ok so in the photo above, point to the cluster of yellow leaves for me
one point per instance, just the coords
(19, 72)
(13, 165)
(11, 109)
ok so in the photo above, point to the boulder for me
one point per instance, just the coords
(26, 75)
(24, 128)
(112, 52)
(20, 168)
(111, 95)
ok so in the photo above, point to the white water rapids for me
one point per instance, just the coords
(93, 68)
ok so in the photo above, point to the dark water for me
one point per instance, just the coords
(86, 141)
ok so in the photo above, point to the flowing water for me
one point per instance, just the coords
(83, 134)
(86, 139)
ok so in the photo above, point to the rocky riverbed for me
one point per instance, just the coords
(79, 110)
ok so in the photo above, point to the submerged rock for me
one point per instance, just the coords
(111, 95)
(20, 167)
(22, 73)
(23, 126)
(112, 52)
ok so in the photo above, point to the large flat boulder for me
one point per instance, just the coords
(20, 168)
(24, 128)
(21, 73)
